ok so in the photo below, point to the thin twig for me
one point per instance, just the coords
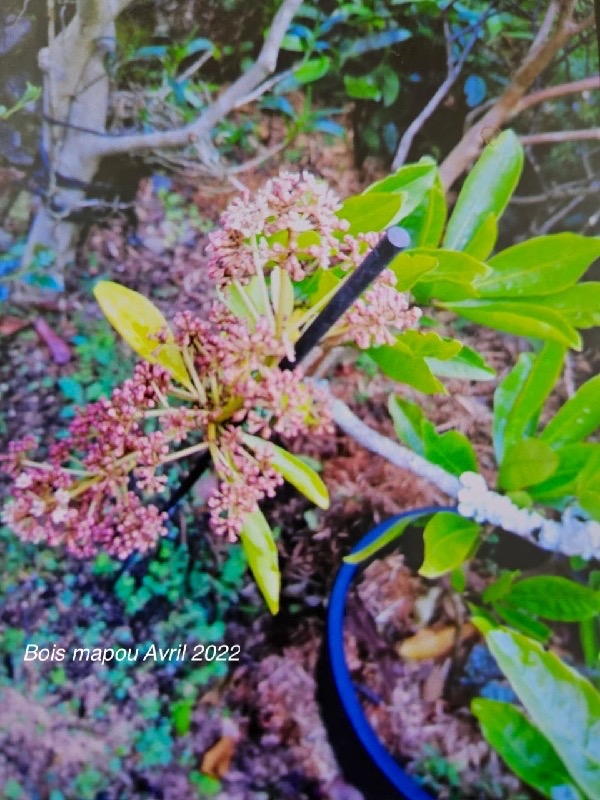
(415, 126)
(555, 137)
(198, 131)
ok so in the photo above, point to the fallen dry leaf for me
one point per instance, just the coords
(433, 687)
(10, 325)
(59, 349)
(217, 760)
(429, 643)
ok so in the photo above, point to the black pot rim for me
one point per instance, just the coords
(405, 786)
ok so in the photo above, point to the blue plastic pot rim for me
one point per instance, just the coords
(341, 674)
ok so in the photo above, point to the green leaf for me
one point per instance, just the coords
(282, 293)
(526, 463)
(428, 344)
(579, 305)
(261, 552)
(523, 622)
(452, 278)
(518, 318)
(139, 322)
(181, 716)
(521, 414)
(395, 362)
(313, 69)
(587, 487)
(449, 540)
(466, 365)
(451, 450)
(496, 590)
(505, 396)
(432, 219)
(453, 266)
(408, 423)
(390, 534)
(484, 239)
(560, 702)
(486, 191)
(524, 748)
(409, 268)
(370, 212)
(413, 181)
(554, 598)
(540, 266)
(364, 88)
(577, 418)
(573, 459)
(293, 470)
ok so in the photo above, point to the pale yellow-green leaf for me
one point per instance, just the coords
(293, 470)
(282, 293)
(139, 322)
(261, 552)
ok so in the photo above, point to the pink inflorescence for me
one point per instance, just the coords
(291, 222)
(83, 497)
(95, 491)
(380, 315)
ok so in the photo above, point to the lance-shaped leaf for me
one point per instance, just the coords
(519, 318)
(466, 365)
(426, 223)
(554, 597)
(561, 703)
(293, 470)
(540, 266)
(524, 749)
(413, 181)
(140, 323)
(485, 192)
(579, 304)
(521, 413)
(399, 363)
(261, 552)
(449, 540)
(389, 535)
(282, 293)
(577, 418)
(371, 212)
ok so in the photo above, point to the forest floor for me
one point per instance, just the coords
(244, 730)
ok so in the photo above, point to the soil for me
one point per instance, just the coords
(261, 714)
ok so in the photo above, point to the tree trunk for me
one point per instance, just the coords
(75, 101)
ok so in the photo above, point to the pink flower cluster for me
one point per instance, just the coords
(246, 478)
(380, 315)
(83, 496)
(290, 222)
(94, 492)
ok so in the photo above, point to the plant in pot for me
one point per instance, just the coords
(537, 733)
(298, 276)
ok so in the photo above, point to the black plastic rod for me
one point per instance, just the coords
(395, 240)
